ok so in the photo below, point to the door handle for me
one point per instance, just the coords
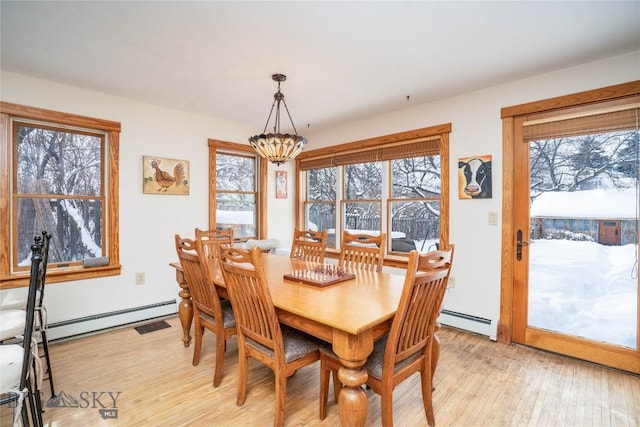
(519, 245)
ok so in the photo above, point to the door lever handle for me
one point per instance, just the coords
(519, 245)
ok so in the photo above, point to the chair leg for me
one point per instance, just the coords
(427, 396)
(386, 408)
(328, 366)
(243, 374)
(337, 385)
(324, 387)
(220, 347)
(281, 393)
(38, 421)
(45, 347)
(197, 346)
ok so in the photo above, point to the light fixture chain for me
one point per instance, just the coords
(287, 110)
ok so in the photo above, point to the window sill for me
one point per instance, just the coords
(62, 275)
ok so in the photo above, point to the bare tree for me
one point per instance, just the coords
(583, 162)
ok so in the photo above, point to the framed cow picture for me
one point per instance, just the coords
(474, 177)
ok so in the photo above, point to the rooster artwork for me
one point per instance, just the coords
(165, 176)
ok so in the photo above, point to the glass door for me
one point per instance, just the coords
(576, 209)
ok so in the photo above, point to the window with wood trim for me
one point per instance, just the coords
(62, 172)
(237, 190)
(395, 184)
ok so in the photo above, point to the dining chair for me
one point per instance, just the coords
(437, 260)
(309, 245)
(41, 310)
(223, 235)
(406, 349)
(211, 241)
(361, 250)
(13, 308)
(209, 311)
(18, 361)
(283, 349)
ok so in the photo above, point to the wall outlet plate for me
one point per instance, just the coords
(139, 278)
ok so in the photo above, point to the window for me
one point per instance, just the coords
(63, 178)
(237, 190)
(395, 184)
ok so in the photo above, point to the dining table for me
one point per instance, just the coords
(350, 314)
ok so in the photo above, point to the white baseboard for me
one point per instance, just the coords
(468, 323)
(105, 321)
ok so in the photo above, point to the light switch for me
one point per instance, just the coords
(493, 218)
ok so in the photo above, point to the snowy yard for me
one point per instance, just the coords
(584, 289)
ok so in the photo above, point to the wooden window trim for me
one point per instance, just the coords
(9, 111)
(319, 157)
(261, 202)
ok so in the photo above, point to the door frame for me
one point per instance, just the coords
(510, 134)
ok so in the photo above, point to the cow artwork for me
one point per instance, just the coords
(474, 177)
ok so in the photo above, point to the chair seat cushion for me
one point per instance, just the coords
(11, 358)
(12, 300)
(297, 344)
(228, 320)
(12, 323)
(376, 359)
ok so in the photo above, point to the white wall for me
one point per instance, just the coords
(148, 222)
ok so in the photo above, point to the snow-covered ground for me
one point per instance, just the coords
(584, 289)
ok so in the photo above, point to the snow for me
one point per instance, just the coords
(584, 289)
(235, 217)
(600, 204)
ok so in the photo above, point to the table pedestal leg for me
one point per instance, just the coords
(353, 351)
(185, 308)
(352, 401)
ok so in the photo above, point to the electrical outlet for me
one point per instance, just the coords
(452, 282)
(139, 278)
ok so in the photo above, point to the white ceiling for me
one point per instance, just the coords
(343, 60)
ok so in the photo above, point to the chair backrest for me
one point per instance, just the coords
(362, 251)
(246, 283)
(203, 292)
(309, 245)
(43, 242)
(222, 236)
(211, 241)
(34, 284)
(414, 323)
(438, 259)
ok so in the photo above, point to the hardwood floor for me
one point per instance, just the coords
(478, 383)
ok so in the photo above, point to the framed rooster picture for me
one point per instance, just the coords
(165, 176)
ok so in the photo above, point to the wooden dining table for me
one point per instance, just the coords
(351, 315)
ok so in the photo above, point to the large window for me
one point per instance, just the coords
(63, 173)
(237, 190)
(395, 184)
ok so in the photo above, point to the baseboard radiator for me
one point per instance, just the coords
(468, 322)
(105, 321)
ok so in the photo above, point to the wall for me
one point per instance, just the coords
(148, 222)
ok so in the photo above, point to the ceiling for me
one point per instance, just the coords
(344, 60)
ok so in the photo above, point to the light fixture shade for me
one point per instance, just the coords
(277, 147)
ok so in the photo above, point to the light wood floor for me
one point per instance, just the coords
(478, 383)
